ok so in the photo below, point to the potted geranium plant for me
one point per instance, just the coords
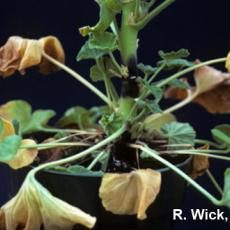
(126, 153)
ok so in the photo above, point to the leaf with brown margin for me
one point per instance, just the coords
(34, 205)
(51, 46)
(199, 164)
(19, 54)
(130, 193)
(24, 157)
(212, 90)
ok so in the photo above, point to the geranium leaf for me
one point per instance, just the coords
(221, 134)
(111, 122)
(182, 53)
(147, 69)
(38, 121)
(9, 147)
(151, 105)
(16, 110)
(76, 169)
(104, 41)
(179, 133)
(226, 194)
(96, 74)
(76, 116)
(87, 53)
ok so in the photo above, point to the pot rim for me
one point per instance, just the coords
(161, 170)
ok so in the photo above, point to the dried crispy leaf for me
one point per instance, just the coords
(34, 206)
(208, 78)
(19, 54)
(31, 54)
(130, 193)
(212, 90)
(199, 164)
(52, 46)
(10, 56)
(24, 157)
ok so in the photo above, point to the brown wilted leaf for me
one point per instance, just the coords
(19, 54)
(10, 56)
(51, 46)
(34, 206)
(199, 164)
(212, 90)
(130, 193)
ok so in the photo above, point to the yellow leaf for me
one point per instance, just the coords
(34, 205)
(8, 129)
(24, 157)
(130, 193)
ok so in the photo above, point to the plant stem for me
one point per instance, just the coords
(96, 159)
(77, 76)
(53, 145)
(215, 183)
(180, 104)
(54, 130)
(113, 59)
(142, 23)
(199, 141)
(157, 72)
(128, 34)
(180, 173)
(190, 69)
(198, 153)
(81, 154)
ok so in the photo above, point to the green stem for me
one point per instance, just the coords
(128, 34)
(96, 159)
(190, 69)
(142, 23)
(157, 72)
(199, 141)
(180, 173)
(77, 76)
(113, 59)
(53, 145)
(196, 153)
(54, 130)
(81, 154)
(215, 183)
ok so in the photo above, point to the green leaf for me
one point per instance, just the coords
(151, 105)
(76, 116)
(226, 194)
(16, 110)
(182, 53)
(111, 123)
(78, 169)
(9, 147)
(175, 63)
(156, 121)
(147, 69)
(20, 113)
(179, 133)
(38, 121)
(179, 84)
(221, 134)
(87, 53)
(104, 41)
(96, 74)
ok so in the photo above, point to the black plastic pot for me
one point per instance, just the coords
(82, 191)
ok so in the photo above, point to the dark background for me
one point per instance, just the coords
(202, 26)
